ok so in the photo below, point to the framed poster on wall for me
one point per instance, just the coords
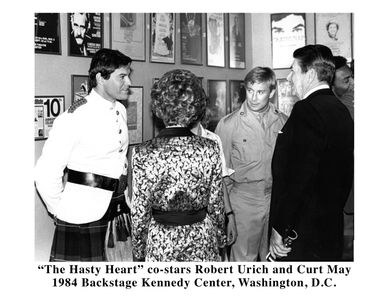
(47, 108)
(85, 34)
(237, 94)
(135, 115)
(163, 32)
(286, 96)
(237, 43)
(215, 40)
(47, 33)
(288, 34)
(191, 38)
(334, 31)
(218, 103)
(128, 34)
(79, 87)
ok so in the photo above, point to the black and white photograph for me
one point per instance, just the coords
(191, 38)
(334, 31)
(215, 40)
(163, 42)
(128, 34)
(47, 33)
(288, 33)
(218, 102)
(85, 33)
(237, 41)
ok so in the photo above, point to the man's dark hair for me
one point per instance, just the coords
(105, 62)
(317, 57)
(340, 61)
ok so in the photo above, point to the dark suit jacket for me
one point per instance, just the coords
(312, 168)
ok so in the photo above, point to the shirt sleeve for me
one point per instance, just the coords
(55, 156)
(225, 139)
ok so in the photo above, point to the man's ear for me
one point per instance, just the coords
(272, 93)
(312, 74)
(99, 79)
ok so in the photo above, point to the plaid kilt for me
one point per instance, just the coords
(79, 242)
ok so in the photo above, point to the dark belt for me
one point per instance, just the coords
(179, 218)
(93, 180)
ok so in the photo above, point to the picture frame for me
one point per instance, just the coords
(286, 96)
(134, 109)
(85, 33)
(162, 37)
(215, 40)
(79, 87)
(191, 38)
(218, 103)
(334, 30)
(236, 41)
(237, 94)
(47, 108)
(48, 33)
(128, 34)
(288, 32)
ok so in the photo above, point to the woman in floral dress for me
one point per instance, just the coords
(177, 208)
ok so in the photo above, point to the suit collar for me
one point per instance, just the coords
(325, 91)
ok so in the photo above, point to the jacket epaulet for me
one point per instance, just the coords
(77, 104)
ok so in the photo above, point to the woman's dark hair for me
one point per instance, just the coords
(178, 98)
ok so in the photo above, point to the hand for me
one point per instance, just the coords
(277, 247)
(232, 233)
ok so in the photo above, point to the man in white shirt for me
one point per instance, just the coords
(90, 139)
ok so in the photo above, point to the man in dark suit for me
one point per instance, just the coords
(312, 165)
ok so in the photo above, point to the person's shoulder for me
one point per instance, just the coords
(283, 117)
(231, 117)
(77, 105)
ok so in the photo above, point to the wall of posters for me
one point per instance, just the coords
(217, 104)
(162, 35)
(286, 96)
(85, 33)
(288, 34)
(334, 31)
(135, 115)
(237, 94)
(237, 43)
(47, 108)
(47, 33)
(191, 39)
(215, 40)
(128, 34)
(79, 87)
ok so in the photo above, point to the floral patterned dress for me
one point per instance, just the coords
(177, 171)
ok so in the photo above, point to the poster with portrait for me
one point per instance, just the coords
(215, 40)
(47, 108)
(134, 109)
(191, 38)
(79, 87)
(128, 34)
(217, 102)
(237, 42)
(163, 32)
(286, 96)
(85, 33)
(334, 31)
(288, 33)
(47, 33)
(237, 94)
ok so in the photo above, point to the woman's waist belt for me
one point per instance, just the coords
(179, 218)
(93, 180)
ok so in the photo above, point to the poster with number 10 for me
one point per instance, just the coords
(47, 108)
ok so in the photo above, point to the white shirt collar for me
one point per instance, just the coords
(96, 98)
(319, 87)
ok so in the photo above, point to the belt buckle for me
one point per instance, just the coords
(115, 185)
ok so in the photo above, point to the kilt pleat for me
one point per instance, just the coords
(79, 242)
